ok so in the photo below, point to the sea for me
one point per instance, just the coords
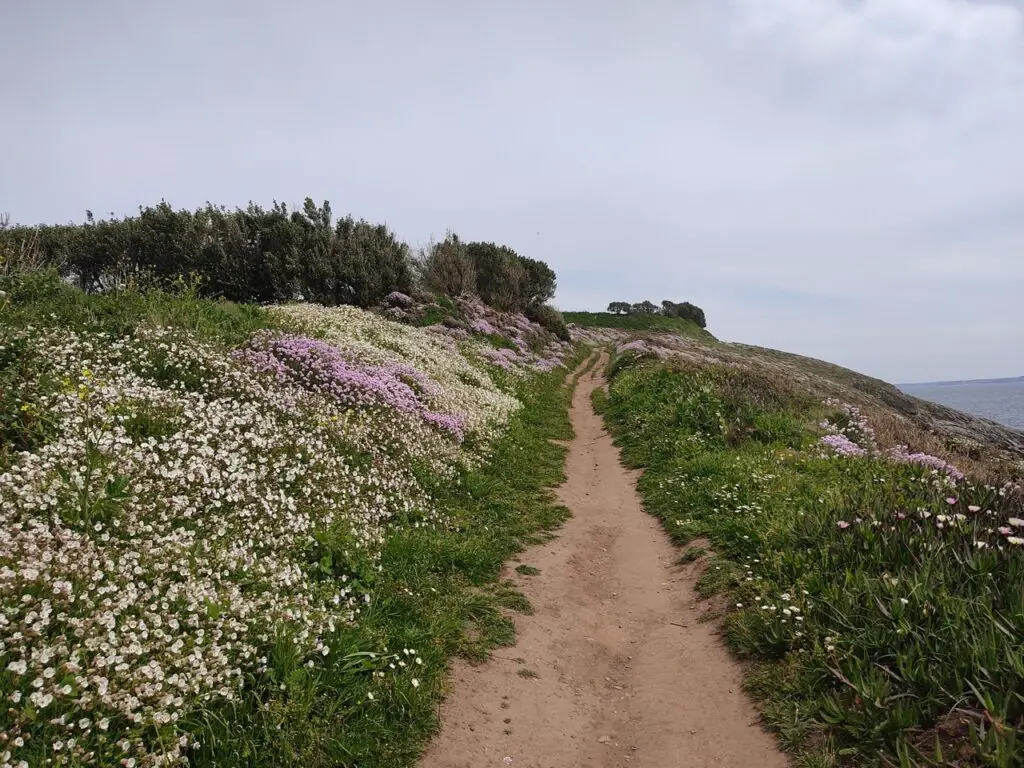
(1001, 400)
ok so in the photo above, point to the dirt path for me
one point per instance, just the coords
(625, 674)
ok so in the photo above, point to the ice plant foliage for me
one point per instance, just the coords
(881, 592)
(174, 511)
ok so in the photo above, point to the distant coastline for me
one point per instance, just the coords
(1011, 380)
(1001, 400)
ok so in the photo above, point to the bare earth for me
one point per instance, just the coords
(626, 675)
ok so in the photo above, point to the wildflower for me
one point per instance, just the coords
(1016, 540)
(415, 683)
(973, 508)
(1016, 522)
(951, 501)
(18, 667)
(843, 524)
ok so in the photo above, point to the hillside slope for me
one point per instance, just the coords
(950, 433)
(233, 535)
(637, 322)
(865, 549)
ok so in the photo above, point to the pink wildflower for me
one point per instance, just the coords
(843, 524)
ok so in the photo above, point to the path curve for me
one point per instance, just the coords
(614, 667)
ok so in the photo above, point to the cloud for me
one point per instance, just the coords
(839, 178)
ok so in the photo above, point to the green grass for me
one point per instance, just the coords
(638, 323)
(43, 300)
(875, 635)
(527, 570)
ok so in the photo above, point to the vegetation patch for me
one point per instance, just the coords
(242, 536)
(638, 322)
(878, 593)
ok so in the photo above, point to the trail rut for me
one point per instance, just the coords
(614, 667)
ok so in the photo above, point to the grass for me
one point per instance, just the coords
(879, 630)
(691, 554)
(527, 570)
(42, 300)
(638, 323)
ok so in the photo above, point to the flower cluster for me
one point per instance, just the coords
(851, 424)
(842, 445)
(168, 521)
(319, 366)
(637, 345)
(398, 299)
(903, 455)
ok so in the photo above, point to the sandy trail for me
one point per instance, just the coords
(625, 672)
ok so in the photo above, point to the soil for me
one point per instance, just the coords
(615, 666)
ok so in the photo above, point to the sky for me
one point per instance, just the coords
(837, 178)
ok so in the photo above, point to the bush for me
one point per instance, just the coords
(446, 268)
(247, 255)
(507, 281)
(684, 311)
(550, 318)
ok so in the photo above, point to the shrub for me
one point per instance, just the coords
(249, 255)
(446, 268)
(685, 311)
(550, 318)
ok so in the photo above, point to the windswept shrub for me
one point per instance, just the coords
(247, 255)
(447, 269)
(550, 318)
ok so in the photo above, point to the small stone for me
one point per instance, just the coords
(604, 739)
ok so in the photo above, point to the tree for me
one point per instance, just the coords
(619, 307)
(644, 308)
(692, 312)
(539, 284)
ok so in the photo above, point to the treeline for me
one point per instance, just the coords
(264, 255)
(684, 310)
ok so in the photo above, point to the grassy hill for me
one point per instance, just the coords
(638, 323)
(865, 549)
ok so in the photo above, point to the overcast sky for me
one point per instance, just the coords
(838, 178)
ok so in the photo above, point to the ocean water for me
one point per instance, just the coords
(1001, 401)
